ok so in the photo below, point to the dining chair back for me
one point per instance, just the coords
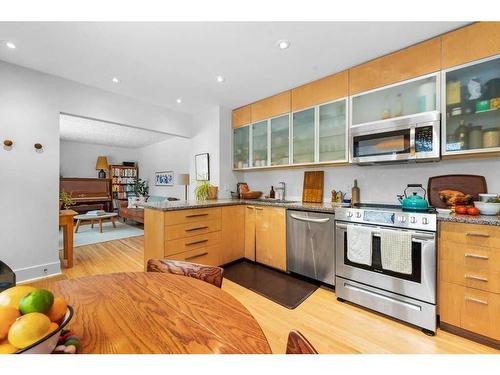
(298, 344)
(210, 274)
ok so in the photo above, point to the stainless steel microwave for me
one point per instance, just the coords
(410, 138)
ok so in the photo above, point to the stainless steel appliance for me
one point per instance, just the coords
(411, 138)
(408, 297)
(310, 245)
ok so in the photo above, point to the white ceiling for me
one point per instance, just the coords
(159, 62)
(78, 129)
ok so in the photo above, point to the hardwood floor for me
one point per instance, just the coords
(331, 326)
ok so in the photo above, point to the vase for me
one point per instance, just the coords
(212, 192)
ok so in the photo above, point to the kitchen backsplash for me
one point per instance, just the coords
(378, 184)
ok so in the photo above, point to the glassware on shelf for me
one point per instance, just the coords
(453, 92)
(461, 135)
(491, 138)
(475, 137)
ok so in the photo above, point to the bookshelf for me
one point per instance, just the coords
(122, 182)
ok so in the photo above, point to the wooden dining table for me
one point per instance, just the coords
(149, 312)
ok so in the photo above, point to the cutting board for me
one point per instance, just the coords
(466, 183)
(312, 191)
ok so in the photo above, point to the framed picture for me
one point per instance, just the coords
(164, 178)
(202, 167)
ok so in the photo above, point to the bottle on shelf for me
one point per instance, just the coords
(272, 193)
(462, 135)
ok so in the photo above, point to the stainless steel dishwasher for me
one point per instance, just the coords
(310, 245)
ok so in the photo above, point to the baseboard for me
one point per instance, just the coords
(40, 271)
(470, 335)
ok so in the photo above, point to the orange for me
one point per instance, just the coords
(6, 348)
(8, 315)
(12, 296)
(28, 329)
(58, 309)
(53, 326)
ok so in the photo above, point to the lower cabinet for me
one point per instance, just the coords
(250, 232)
(232, 234)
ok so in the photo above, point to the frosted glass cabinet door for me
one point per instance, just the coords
(303, 136)
(259, 144)
(241, 147)
(280, 145)
(332, 131)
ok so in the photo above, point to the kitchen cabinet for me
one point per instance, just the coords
(270, 236)
(232, 233)
(303, 136)
(259, 144)
(241, 147)
(405, 64)
(241, 116)
(332, 131)
(280, 140)
(471, 97)
(470, 43)
(270, 107)
(250, 232)
(321, 91)
(469, 278)
(398, 100)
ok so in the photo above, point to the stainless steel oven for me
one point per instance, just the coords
(412, 138)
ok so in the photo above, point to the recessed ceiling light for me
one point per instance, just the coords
(179, 100)
(10, 45)
(115, 80)
(220, 79)
(283, 44)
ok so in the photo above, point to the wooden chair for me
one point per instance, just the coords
(210, 274)
(298, 344)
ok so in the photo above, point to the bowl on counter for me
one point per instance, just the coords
(486, 208)
(251, 194)
(487, 197)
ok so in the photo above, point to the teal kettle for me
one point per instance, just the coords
(413, 202)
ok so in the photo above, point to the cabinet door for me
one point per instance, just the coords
(280, 140)
(270, 237)
(259, 144)
(303, 136)
(233, 233)
(270, 107)
(241, 116)
(241, 147)
(250, 232)
(332, 131)
(472, 98)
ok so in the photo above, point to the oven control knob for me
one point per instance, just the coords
(413, 219)
(402, 219)
(358, 214)
(349, 214)
(425, 221)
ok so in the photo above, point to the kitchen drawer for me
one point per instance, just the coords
(191, 243)
(470, 234)
(208, 255)
(174, 232)
(190, 216)
(478, 277)
(470, 255)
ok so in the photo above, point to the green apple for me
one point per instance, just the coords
(39, 300)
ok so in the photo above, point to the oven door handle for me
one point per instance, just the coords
(416, 237)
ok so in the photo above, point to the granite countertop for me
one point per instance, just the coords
(469, 219)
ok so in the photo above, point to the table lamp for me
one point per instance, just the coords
(183, 179)
(101, 165)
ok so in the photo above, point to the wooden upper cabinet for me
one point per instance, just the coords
(470, 43)
(411, 62)
(273, 106)
(321, 91)
(241, 116)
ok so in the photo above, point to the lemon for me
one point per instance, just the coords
(39, 300)
(8, 315)
(28, 329)
(6, 348)
(12, 296)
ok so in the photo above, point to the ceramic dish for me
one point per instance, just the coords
(487, 208)
(443, 211)
(487, 197)
(47, 344)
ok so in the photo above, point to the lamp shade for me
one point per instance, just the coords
(183, 179)
(102, 163)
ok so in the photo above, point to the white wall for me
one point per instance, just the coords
(378, 184)
(78, 159)
(30, 104)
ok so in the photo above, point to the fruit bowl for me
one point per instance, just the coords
(487, 208)
(47, 344)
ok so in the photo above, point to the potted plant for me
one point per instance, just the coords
(201, 191)
(141, 187)
(65, 200)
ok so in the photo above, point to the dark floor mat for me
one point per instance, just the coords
(286, 290)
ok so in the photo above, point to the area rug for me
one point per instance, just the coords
(286, 290)
(87, 235)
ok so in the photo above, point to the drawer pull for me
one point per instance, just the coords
(476, 256)
(197, 255)
(476, 234)
(196, 242)
(250, 207)
(196, 215)
(478, 278)
(470, 299)
(197, 228)
(259, 208)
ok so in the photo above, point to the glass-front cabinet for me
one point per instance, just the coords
(241, 147)
(403, 99)
(472, 100)
(332, 141)
(280, 140)
(259, 144)
(303, 130)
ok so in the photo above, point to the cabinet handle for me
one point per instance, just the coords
(470, 299)
(250, 207)
(197, 255)
(197, 228)
(478, 278)
(476, 234)
(196, 215)
(259, 208)
(476, 256)
(196, 242)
